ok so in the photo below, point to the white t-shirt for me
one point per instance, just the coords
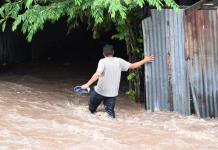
(109, 81)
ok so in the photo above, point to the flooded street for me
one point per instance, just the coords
(39, 111)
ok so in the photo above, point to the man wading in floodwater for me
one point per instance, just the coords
(108, 75)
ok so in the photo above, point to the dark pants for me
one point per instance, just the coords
(96, 99)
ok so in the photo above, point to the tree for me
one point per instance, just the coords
(126, 15)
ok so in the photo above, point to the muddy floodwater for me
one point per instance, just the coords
(38, 111)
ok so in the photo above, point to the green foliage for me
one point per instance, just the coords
(32, 14)
(8, 10)
(131, 93)
(131, 76)
(28, 3)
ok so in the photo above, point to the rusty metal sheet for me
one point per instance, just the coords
(201, 53)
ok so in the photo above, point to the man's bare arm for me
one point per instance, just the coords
(94, 78)
(147, 59)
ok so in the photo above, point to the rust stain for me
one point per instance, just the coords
(169, 67)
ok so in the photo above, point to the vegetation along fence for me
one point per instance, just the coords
(185, 47)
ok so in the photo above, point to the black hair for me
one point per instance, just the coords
(108, 50)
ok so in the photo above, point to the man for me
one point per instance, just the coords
(108, 75)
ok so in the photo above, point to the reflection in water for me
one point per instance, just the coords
(43, 114)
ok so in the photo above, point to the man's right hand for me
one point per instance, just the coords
(149, 59)
(85, 86)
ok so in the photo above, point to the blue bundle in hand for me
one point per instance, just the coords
(79, 90)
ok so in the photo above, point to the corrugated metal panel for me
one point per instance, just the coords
(13, 48)
(156, 92)
(202, 54)
(166, 79)
(180, 88)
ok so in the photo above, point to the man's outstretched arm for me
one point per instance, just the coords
(147, 59)
(94, 78)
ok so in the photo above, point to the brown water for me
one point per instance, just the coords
(38, 111)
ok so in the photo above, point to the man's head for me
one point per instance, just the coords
(108, 50)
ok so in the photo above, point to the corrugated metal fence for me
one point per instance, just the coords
(170, 37)
(201, 50)
(13, 48)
